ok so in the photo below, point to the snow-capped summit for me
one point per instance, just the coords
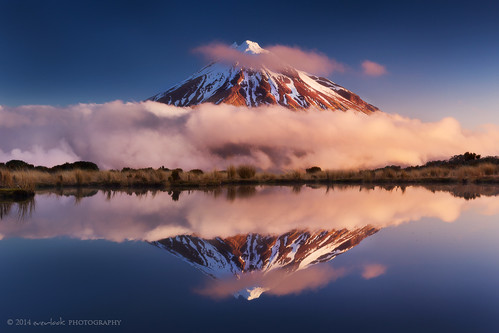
(249, 47)
(250, 86)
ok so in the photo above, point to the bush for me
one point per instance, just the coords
(175, 176)
(464, 158)
(313, 169)
(81, 165)
(18, 165)
(84, 165)
(196, 171)
(246, 171)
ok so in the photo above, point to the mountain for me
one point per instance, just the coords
(241, 254)
(253, 86)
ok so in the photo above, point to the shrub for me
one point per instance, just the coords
(457, 159)
(18, 165)
(81, 165)
(175, 176)
(246, 171)
(196, 171)
(313, 169)
(84, 165)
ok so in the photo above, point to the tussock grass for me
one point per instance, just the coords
(246, 171)
(243, 174)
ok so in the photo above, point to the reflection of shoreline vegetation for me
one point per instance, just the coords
(233, 192)
(466, 168)
(24, 208)
(15, 194)
(239, 192)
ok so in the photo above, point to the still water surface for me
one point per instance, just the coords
(354, 259)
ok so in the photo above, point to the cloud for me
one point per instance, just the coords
(277, 57)
(309, 61)
(149, 134)
(372, 271)
(276, 282)
(60, 154)
(371, 68)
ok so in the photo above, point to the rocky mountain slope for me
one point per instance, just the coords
(240, 85)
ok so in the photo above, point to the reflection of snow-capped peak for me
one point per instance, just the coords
(236, 255)
(250, 293)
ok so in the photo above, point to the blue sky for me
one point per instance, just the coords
(442, 57)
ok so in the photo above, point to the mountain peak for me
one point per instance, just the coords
(249, 47)
(248, 82)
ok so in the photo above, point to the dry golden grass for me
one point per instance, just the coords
(32, 179)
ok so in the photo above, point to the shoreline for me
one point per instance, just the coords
(25, 182)
(468, 168)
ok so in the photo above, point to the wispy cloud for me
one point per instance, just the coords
(277, 57)
(277, 282)
(372, 271)
(372, 68)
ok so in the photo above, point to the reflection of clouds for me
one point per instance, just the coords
(279, 282)
(272, 210)
(372, 271)
(251, 285)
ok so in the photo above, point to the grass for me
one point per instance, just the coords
(29, 180)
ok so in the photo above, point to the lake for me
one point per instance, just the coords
(252, 258)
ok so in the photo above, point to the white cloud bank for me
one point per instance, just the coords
(117, 134)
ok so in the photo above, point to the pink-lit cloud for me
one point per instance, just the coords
(149, 134)
(372, 68)
(276, 58)
(309, 61)
(372, 271)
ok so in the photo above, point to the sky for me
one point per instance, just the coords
(441, 57)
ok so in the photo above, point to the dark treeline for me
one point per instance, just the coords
(18, 165)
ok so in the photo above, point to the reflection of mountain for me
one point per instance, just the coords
(289, 252)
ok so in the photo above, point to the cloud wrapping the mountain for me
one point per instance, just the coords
(117, 135)
(278, 55)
